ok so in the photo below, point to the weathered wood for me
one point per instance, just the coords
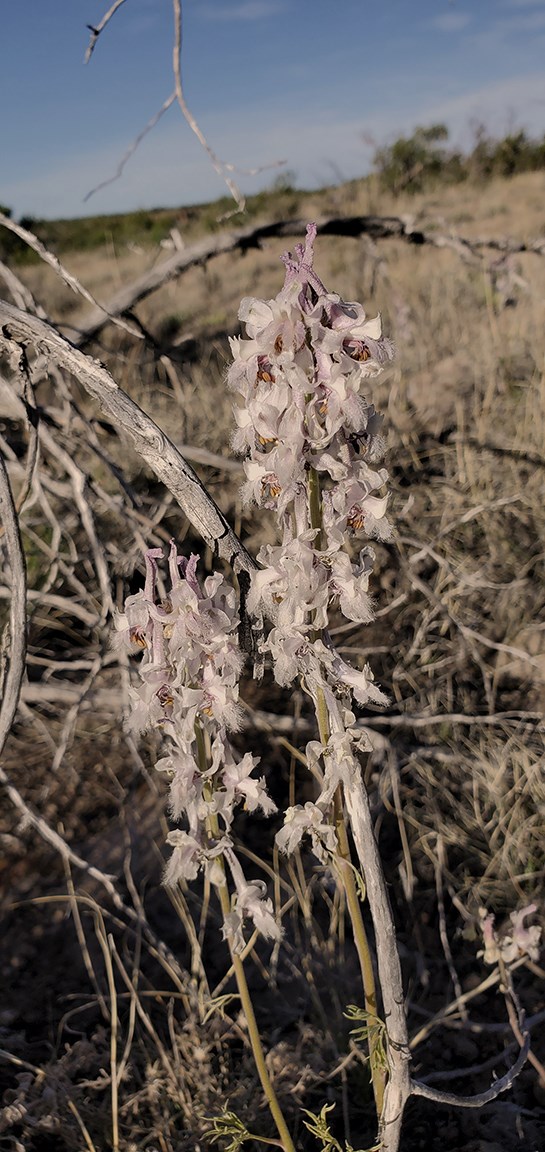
(19, 329)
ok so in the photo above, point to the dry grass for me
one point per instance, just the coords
(459, 643)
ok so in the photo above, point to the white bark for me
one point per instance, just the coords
(18, 329)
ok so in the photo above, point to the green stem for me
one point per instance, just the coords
(240, 975)
(253, 1033)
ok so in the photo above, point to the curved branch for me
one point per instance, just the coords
(17, 616)
(95, 30)
(480, 1098)
(62, 272)
(17, 329)
(398, 1086)
(377, 227)
(132, 146)
(220, 167)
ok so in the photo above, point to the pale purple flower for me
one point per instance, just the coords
(135, 626)
(186, 859)
(189, 673)
(251, 902)
(349, 583)
(293, 579)
(186, 780)
(307, 820)
(360, 683)
(238, 782)
(511, 945)
(522, 941)
(298, 379)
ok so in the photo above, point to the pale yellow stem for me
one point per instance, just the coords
(240, 975)
(346, 872)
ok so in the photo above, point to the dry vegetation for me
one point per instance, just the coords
(457, 773)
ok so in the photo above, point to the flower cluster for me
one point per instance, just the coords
(299, 377)
(189, 674)
(306, 427)
(517, 941)
(312, 445)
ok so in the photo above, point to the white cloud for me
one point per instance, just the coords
(451, 21)
(249, 10)
(170, 168)
(530, 22)
(523, 3)
(498, 105)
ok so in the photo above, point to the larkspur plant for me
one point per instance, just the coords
(312, 444)
(312, 449)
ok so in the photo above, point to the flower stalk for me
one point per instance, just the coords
(253, 1030)
(311, 443)
(189, 675)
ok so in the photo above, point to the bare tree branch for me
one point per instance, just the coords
(14, 641)
(21, 295)
(133, 145)
(480, 1098)
(377, 227)
(221, 167)
(417, 720)
(62, 272)
(18, 329)
(218, 164)
(398, 1086)
(95, 30)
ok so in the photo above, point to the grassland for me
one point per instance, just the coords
(456, 776)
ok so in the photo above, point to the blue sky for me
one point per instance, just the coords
(313, 82)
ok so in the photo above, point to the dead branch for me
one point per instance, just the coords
(157, 116)
(19, 329)
(95, 30)
(421, 720)
(220, 167)
(67, 278)
(480, 1098)
(21, 295)
(14, 638)
(378, 227)
(521, 1033)
(398, 1086)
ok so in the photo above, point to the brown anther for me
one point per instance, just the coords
(270, 488)
(137, 637)
(355, 519)
(278, 344)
